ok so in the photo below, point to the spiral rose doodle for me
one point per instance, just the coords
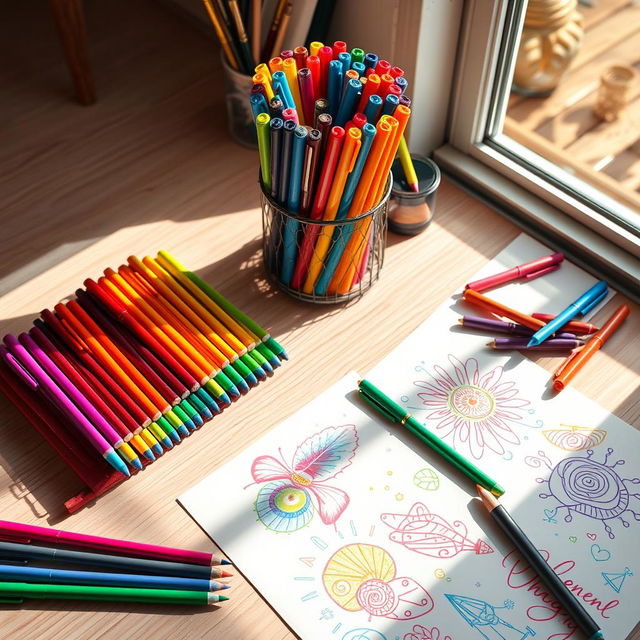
(376, 597)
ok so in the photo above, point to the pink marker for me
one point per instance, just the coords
(529, 270)
(25, 533)
(290, 114)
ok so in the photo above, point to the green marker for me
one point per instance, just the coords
(395, 413)
(172, 265)
(16, 592)
(264, 149)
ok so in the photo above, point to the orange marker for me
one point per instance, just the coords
(216, 359)
(347, 160)
(260, 78)
(383, 134)
(498, 309)
(578, 359)
(275, 64)
(105, 359)
(153, 328)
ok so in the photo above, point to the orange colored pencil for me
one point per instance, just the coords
(216, 360)
(227, 330)
(195, 291)
(137, 300)
(183, 310)
(383, 132)
(499, 309)
(195, 311)
(107, 361)
(578, 359)
(153, 328)
(127, 365)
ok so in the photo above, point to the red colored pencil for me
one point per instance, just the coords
(128, 349)
(65, 333)
(100, 293)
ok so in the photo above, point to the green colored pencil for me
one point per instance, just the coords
(395, 413)
(18, 591)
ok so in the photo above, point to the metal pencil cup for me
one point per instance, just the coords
(239, 116)
(322, 261)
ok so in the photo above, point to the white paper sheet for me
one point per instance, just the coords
(352, 529)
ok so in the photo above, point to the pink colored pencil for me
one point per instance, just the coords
(25, 533)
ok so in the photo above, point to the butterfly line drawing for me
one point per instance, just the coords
(293, 492)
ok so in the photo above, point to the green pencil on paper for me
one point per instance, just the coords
(173, 266)
(16, 592)
(395, 413)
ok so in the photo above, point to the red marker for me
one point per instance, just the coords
(529, 270)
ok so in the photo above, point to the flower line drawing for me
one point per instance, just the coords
(473, 409)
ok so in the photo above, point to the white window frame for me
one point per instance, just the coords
(602, 242)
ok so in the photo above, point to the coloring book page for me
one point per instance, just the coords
(352, 529)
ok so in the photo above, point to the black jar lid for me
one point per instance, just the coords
(428, 180)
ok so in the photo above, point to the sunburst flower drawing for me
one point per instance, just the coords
(475, 410)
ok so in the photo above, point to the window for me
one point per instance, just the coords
(526, 131)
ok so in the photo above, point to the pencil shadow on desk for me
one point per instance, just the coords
(111, 607)
(241, 277)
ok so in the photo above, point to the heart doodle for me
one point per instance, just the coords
(550, 515)
(599, 554)
(573, 539)
(592, 536)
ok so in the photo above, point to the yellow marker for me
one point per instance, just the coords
(264, 69)
(314, 47)
(127, 451)
(260, 78)
(147, 436)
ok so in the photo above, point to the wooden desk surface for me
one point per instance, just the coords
(153, 168)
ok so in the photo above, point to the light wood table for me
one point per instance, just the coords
(152, 166)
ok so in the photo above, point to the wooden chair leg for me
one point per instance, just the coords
(69, 17)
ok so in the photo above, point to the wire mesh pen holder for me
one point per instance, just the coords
(323, 261)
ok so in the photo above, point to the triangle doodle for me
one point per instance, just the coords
(308, 561)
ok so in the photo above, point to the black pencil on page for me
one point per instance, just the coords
(547, 575)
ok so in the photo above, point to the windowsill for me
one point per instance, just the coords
(589, 249)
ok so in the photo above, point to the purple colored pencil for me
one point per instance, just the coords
(552, 344)
(499, 326)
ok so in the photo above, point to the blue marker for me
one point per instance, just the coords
(293, 206)
(370, 61)
(582, 305)
(345, 60)
(334, 86)
(390, 104)
(372, 110)
(402, 82)
(349, 102)
(358, 67)
(368, 134)
(281, 87)
(258, 105)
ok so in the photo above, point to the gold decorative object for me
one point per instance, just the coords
(551, 38)
(616, 84)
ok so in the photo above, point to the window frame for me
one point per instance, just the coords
(564, 211)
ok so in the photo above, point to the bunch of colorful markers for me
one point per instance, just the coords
(329, 123)
(541, 331)
(104, 569)
(141, 358)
